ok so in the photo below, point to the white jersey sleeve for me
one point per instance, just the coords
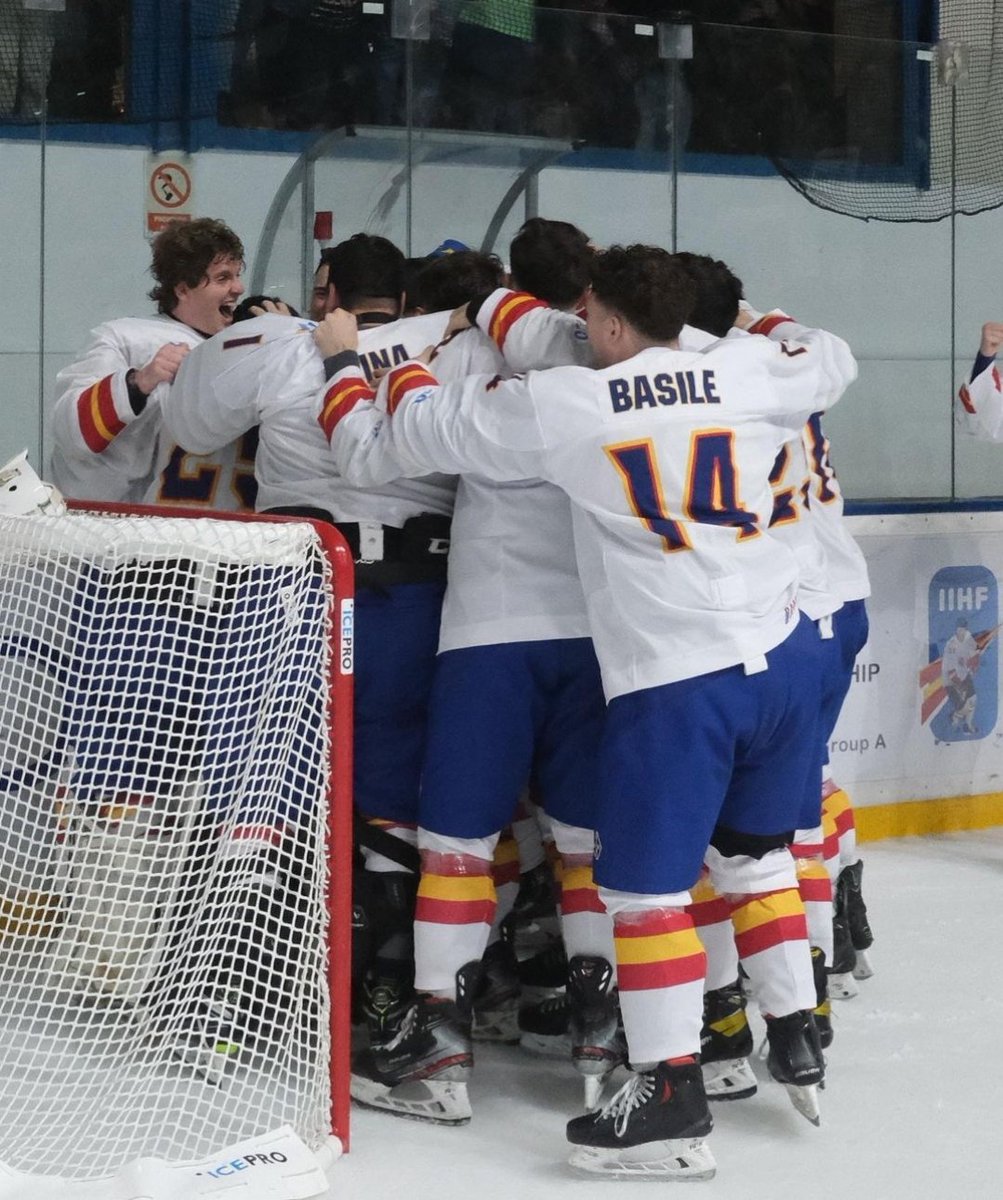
(532, 335)
(803, 349)
(842, 571)
(355, 423)
(102, 449)
(979, 411)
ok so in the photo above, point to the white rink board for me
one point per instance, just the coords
(883, 750)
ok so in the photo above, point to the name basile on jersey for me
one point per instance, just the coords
(666, 388)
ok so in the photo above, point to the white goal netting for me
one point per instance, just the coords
(165, 750)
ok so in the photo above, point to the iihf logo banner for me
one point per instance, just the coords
(959, 682)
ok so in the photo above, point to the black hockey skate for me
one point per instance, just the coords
(823, 1006)
(795, 1060)
(385, 997)
(725, 1045)
(850, 902)
(652, 1127)
(598, 1043)
(422, 1072)
(533, 922)
(841, 972)
(210, 1037)
(546, 971)
(544, 1028)
(496, 1004)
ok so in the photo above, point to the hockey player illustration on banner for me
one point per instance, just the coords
(959, 683)
(958, 667)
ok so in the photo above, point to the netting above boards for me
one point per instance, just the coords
(946, 107)
(856, 119)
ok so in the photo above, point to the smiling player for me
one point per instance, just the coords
(106, 420)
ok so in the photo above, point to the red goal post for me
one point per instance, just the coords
(177, 690)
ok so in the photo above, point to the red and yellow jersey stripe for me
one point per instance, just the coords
(514, 306)
(341, 397)
(99, 421)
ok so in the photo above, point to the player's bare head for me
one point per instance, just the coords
(646, 287)
(183, 254)
(552, 260)
(453, 279)
(718, 292)
(364, 268)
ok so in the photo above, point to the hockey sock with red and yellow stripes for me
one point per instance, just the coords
(771, 933)
(661, 966)
(586, 926)
(771, 930)
(455, 909)
(814, 887)
(711, 915)
(838, 809)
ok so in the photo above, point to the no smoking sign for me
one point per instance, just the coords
(168, 190)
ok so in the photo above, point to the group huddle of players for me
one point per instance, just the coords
(607, 612)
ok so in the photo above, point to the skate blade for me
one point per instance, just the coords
(863, 969)
(678, 1158)
(842, 987)
(805, 1100)
(439, 1102)
(729, 1080)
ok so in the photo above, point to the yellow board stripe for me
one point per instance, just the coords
(912, 818)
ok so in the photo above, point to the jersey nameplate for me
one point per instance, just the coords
(679, 387)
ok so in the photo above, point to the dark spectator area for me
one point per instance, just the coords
(792, 78)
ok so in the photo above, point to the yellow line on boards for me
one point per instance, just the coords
(911, 817)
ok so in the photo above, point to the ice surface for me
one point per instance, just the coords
(913, 1105)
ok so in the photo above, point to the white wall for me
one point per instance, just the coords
(886, 287)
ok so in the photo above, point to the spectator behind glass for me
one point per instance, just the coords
(299, 64)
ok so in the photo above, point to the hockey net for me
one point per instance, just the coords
(175, 849)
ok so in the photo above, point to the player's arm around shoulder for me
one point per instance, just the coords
(484, 424)
(530, 334)
(198, 414)
(802, 351)
(346, 408)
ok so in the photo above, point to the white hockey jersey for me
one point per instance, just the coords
(267, 372)
(845, 574)
(512, 570)
(961, 658)
(666, 459)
